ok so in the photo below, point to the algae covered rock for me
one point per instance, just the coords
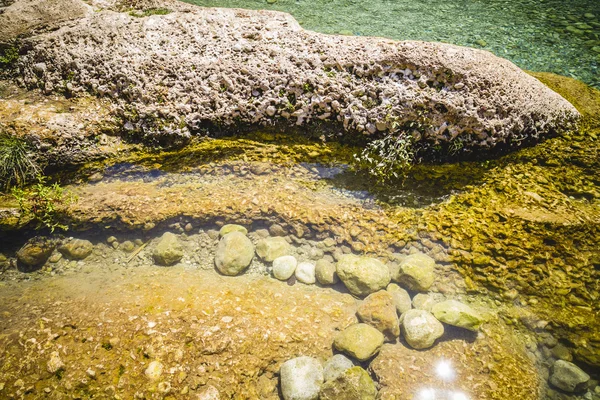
(234, 254)
(335, 366)
(362, 275)
(301, 378)
(379, 311)
(325, 272)
(568, 377)
(416, 272)
(360, 341)
(421, 329)
(168, 251)
(400, 298)
(35, 253)
(76, 249)
(458, 314)
(271, 248)
(353, 384)
(225, 229)
(284, 267)
(423, 301)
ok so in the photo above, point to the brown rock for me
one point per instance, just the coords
(379, 311)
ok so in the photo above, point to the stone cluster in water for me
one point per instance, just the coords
(389, 312)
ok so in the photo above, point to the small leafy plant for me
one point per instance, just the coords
(388, 157)
(17, 165)
(45, 203)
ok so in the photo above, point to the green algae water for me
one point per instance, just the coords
(548, 36)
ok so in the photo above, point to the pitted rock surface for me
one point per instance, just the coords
(188, 71)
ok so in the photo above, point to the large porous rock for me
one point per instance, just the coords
(421, 329)
(362, 275)
(416, 272)
(35, 253)
(76, 249)
(379, 311)
(458, 314)
(335, 366)
(168, 251)
(360, 341)
(234, 254)
(152, 67)
(568, 377)
(272, 247)
(301, 378)
(353, 384)
(400, 297)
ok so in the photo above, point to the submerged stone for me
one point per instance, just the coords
(568, 377)
(457, 314)
(379, 311)
(168, 251)
(421, 329)
(301, 378)
(353, 384)
(336, 366)
(35, 253)
(400, 297)
(325, 272)
(225, 229)
(360, 341)
(284, 267)
(154, 370)
(271, 248)
(416, 272)
(76, 249)
(234, 254)
(362, 275)
(305, 273)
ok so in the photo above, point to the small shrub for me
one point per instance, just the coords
(389, 157)
(8, 55)
(44, 203)
(17, 166)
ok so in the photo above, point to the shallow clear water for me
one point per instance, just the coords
(552, 36)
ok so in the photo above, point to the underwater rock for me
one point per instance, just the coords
(416, 272)
(127, 246)
(55, 363)
(355, 82)
(234, 253)
(208, 392)
(284, 267)
(379, 311)
(305, 273)
(168, 251)
(400, 298)
(154, 370)
(362, 275)
(360, 341)
(457, 314)
(225, 229)
(76, 249)
(336, 366)
(353, 384)
(301, 378)
(35, 253)
(271, 248)
(420, 328)
(325, 272)
(423, 301)
(568, 377)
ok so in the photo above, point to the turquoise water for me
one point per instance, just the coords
(551, 36)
